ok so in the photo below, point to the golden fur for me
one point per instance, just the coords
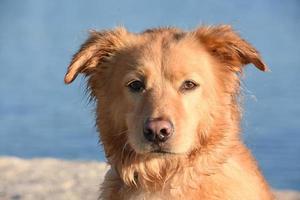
(205, 158)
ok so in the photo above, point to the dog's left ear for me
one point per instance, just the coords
(225, 44)
(98, 48)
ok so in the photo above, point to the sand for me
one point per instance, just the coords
(47, 178)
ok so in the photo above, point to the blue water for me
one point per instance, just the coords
(41, 117)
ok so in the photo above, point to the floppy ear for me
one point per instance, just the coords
(97, 49)
(225, 44)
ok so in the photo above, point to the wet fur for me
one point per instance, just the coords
(209, 160)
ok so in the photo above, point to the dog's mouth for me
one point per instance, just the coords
(160, 151)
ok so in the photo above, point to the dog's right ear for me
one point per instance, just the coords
(225, 44)
(99, 47)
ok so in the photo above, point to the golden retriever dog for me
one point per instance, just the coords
(168, 112)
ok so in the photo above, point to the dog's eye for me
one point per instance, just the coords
(188, 85)
(136, 86)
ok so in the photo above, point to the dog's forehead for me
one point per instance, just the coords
(172, 56)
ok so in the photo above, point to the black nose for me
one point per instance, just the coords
(158, 130)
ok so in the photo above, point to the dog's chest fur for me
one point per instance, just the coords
(231, 181)
(168, 192)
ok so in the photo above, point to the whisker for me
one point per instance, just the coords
(120, 133)
(123, 150)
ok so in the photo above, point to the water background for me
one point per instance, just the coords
(41, 117)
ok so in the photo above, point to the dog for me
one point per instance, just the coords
(168, 112)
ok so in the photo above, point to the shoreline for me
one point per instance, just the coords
(51, 178)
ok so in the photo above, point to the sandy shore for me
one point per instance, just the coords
(39, 179)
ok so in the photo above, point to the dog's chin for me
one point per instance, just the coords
(148, 149)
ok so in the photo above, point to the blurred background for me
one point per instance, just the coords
(42, 117)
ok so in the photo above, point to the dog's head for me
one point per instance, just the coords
(164, 91)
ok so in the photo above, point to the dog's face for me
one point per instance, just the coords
(166, 89)
(160, 92)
